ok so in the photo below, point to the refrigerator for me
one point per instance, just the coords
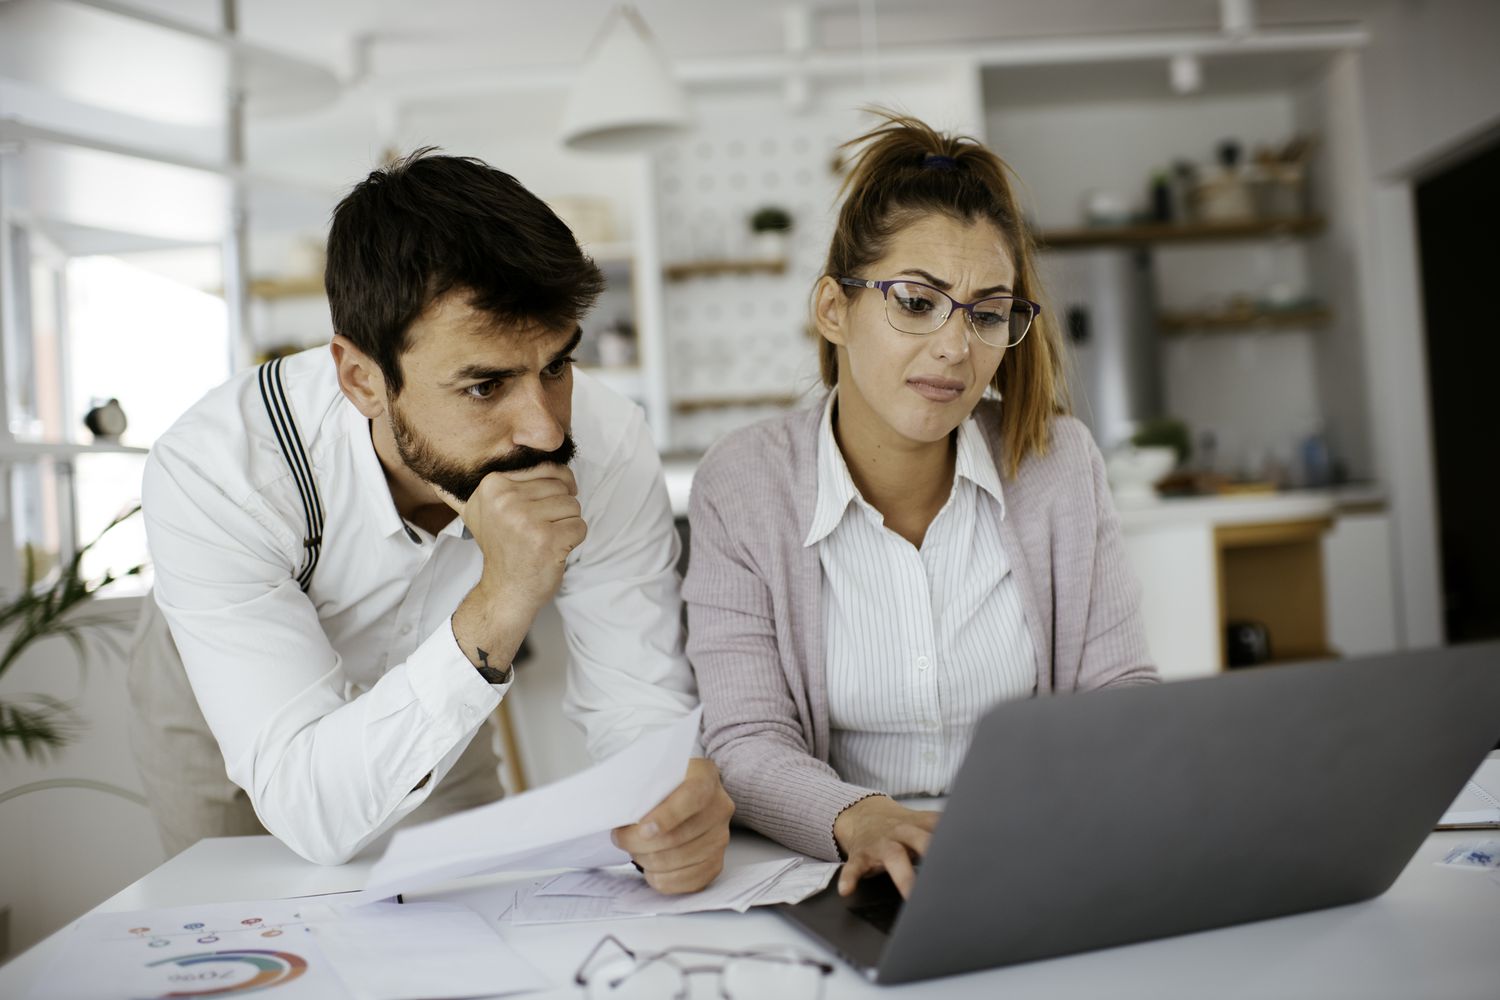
(1103, 302)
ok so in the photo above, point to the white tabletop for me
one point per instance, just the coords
(1436, 933)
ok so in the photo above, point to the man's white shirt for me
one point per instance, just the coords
(331, 706)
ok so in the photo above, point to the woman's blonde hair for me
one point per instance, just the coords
(904, 170)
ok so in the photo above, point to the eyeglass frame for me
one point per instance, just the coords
(723, 955)
(884, 287)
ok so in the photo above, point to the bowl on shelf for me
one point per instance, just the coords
(1134, 471)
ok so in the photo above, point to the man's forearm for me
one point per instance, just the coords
(488, 626)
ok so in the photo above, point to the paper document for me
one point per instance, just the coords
(262, 946)
(562, 825)
(611, 895)
(1485, 854)
(1478, 805)
(292, 949)
(391, 951)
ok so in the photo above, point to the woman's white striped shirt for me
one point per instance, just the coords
(918, 643)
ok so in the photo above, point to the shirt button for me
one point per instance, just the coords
(406, 630)
(923, 663)
(928, 757)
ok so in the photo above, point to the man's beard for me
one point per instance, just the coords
(462, 480)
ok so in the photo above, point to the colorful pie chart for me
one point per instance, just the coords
(272, 968)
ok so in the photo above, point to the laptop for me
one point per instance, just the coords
(1125, 815)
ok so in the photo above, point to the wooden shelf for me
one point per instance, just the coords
(610, 253)
(694, 405)
(707, 268)
(1187, 232)
(1273, 319)
(27, 451)
(287, 288)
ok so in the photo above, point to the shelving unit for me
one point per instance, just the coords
(27, 451)
(708, 268)
(699, 404)
(1185, 232)
(287, 288)
(1178, 323)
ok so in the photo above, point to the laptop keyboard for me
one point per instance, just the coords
(881, 914)
(877, 901)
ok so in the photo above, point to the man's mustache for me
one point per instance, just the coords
(463, 482)
(522, 458)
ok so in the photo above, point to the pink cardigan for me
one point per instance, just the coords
(755, 617)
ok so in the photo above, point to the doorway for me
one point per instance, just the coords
(1458, 225)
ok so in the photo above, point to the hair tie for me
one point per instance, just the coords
(936, 161)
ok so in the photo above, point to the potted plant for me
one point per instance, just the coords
(769, 226)
(37, 725)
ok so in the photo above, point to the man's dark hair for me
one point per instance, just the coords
(427, 225)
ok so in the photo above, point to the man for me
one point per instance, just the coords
(348, 554)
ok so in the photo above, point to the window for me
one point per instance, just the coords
(137, 328)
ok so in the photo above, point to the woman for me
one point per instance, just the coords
(869, 575)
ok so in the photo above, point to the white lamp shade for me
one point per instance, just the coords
(625, 99)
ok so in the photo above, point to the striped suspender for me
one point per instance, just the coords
(274, 396)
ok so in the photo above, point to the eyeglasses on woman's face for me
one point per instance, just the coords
(919, 309)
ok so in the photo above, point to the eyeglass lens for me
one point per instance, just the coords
(918, 309)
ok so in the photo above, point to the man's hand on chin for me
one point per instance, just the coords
(680, 844)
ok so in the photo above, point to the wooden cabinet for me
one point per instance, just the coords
(1312, 568)
(1272, 574)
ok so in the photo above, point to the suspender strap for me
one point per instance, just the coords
(273, 394)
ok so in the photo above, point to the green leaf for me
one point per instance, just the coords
(38, 724)
(38, 729)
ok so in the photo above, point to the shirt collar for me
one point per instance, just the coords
(975, 462)
(377, 505)
(836, 489)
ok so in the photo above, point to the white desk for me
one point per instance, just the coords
(1435, 934)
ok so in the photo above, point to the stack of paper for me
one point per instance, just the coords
(615, 894)
(1478, 805)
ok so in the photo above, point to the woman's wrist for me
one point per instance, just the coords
(846, 824)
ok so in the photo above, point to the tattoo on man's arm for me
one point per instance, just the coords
(493, 675)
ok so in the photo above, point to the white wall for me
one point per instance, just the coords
(1328, 107)
(64, 850)
(1431, 81)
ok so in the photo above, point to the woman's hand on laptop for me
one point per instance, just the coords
(878, 834)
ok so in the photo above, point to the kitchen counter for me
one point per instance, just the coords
(1234, 508)
(1253, 508)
